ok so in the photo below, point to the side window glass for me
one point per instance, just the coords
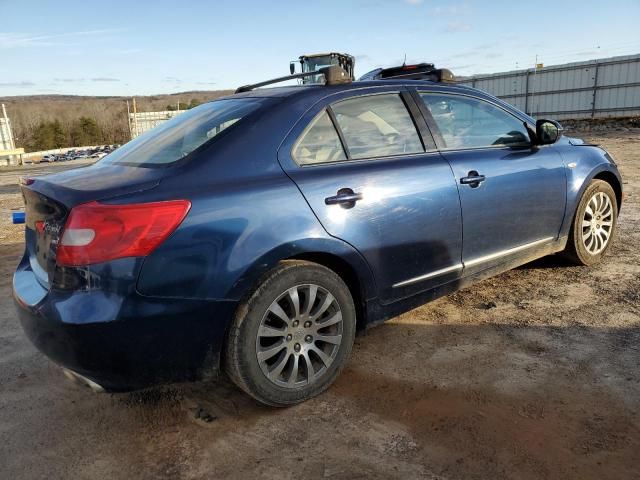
(377, 126)
(467, 122)
(319, 143)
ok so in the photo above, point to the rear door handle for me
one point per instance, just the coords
(473, 179)
(345, 197)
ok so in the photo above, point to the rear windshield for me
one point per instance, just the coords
(178, 137)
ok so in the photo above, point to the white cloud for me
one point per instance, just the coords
(23, 83)
(18, 40)
(457, 27)
(454, 10)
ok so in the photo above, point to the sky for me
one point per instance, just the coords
(139, 47)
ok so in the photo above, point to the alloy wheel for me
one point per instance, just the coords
(299, 336)
(597, 223)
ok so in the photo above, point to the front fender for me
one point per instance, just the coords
(583, 164)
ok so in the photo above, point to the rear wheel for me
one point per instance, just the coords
(290, 339)
(593, 225)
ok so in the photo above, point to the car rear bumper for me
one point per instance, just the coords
(122, 342)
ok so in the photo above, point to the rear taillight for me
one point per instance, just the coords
(96, 232)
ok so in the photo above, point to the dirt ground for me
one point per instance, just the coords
(546, 384)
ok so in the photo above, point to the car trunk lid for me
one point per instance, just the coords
(49, 199)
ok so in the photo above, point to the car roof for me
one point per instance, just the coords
(313, 93)
(322, 90)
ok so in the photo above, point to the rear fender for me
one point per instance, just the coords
(307, 248)
(229, 240)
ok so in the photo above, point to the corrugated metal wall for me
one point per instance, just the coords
(607, 87)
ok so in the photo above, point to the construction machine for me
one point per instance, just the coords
(317, 61)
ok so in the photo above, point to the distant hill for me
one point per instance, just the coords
(83, 118)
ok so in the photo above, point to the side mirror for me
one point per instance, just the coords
(292, 67)
(548, 131)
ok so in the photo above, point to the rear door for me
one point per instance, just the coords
(368, 168)
(513, 195)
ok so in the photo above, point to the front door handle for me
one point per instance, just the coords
(473, 179)
(345, 197)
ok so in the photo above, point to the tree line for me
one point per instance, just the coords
(46, 122)
(48, 135)
(184, 105)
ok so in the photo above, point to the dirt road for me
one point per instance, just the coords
(546, 384)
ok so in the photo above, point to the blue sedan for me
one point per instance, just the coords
(258, 232)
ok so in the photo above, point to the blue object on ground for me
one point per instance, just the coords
(18, 217)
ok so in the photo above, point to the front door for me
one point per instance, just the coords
(513, 196)
(372, 183)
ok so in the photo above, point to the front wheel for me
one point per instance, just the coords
(292, 337)
(593, 225)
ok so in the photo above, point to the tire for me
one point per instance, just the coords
(591, 235)
(266, 323)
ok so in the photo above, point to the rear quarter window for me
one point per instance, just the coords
(319, 143)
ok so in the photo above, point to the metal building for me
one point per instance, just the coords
(6, 137)
(607, 87)
(8, 151)
(140, 122)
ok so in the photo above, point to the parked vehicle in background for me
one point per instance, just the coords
(48, 158)
(98, 155)
(314, 62)
(80, 154)
(259, 231)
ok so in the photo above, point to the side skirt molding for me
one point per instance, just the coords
(378, 313)
(503, 253)
(426, 276)
(473, 262)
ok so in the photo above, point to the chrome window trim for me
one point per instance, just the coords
(369, 159)
(522, 147)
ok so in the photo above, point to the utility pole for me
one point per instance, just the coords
(135, 117)
(533, 87)
(129, 121)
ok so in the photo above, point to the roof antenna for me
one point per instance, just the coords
(404, 62)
